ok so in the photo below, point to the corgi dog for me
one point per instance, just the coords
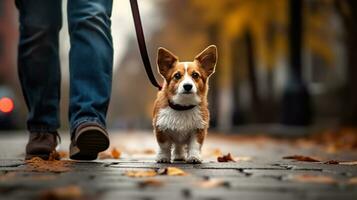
(181, 115)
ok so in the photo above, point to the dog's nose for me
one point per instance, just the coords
(187, 87)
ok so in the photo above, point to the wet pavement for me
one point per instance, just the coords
(260, 172)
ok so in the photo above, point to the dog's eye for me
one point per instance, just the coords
(177, 76)
(195, 75)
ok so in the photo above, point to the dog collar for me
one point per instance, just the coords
(180, 107)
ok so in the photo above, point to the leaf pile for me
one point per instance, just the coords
(333, 140)
(37, 164)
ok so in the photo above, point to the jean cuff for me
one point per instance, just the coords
(41, 129)
(85, 120)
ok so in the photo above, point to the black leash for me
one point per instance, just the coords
(141, 41)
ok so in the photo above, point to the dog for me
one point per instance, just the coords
(181, 115)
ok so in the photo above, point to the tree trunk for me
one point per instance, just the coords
(252, 77)
(349, 116)
(296, 109)
(237, 61)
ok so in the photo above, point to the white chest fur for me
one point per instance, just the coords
(183, 122)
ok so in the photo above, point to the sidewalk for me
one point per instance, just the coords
(259, 171)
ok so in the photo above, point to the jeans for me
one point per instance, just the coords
(90, 61)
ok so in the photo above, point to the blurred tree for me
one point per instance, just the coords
(258, 28)
(348, 12)
(296, 108)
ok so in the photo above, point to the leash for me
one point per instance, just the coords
(142, 46)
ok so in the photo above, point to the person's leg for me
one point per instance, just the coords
(91, 60)
(39, 70)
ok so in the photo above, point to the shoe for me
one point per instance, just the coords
(41, 144)
(88, 140)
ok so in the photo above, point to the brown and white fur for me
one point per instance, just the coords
(182, 131)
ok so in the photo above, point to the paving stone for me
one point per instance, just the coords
(266, 176)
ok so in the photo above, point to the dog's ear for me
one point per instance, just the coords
(207, 59)
(165, 60)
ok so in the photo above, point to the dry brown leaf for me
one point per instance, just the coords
(141, 173)
(301, 158)
(172, 171)
(307, 178)
(332, 162)
(149, 151)
(353, 180)
(211, 183)
(115, 153)
(68, 192)
(37, 164)
(151, 182)
(226, 158)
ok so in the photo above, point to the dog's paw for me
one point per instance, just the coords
(179, 157)
(194, 160)
(163, 159)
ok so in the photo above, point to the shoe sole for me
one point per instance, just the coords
(89, 142)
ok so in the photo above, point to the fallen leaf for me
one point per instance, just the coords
(348, 163)
(171, 171)
(141, 173)
(301, 158)
(115, 153)
(37, 164)
(151, 182)
(307, 178)
(226, 158)
(149, 151)
(211, 183)
(68, 192)
(352, 180)
(332, 162)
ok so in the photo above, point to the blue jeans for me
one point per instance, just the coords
(90, 61)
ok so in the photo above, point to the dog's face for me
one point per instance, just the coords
(186, 82)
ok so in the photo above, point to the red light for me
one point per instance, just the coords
(6, 105)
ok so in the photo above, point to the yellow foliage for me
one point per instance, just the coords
(268, 21)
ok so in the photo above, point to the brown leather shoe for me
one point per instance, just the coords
(88, 140)
(41, 144)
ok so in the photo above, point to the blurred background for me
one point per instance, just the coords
(282, 63)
